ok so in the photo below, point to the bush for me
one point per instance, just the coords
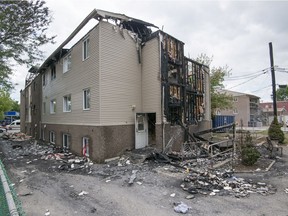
(250, 155)
(275, 132)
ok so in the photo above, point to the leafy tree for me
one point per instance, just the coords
(282, 94)
(275, 132)
(219, 100)
(15, 106)
(6, 103)
(23, 27)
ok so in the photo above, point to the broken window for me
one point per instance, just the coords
(52, 137)
(66, 141)
(53, 72)
(85, 146)
(85, 49)
(67, 63)
(86, 99)
(53, 106)
(67, 103)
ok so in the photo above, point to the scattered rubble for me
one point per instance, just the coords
(16, 136)
(133, 177)
(181, 208)
(223, 183)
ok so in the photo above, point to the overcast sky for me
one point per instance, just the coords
(235, 33)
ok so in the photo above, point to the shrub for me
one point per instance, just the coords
(275, 132)
(250, 155)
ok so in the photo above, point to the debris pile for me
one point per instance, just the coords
(223, 183)
(16, 136)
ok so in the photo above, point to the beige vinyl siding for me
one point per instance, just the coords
(120, 76)
(151, 85)
(83, 74)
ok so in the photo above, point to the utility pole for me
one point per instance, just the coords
(273, 79)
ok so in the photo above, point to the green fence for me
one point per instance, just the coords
(6, 201)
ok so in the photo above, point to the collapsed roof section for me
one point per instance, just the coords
(140, 27)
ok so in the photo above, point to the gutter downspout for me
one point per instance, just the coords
(10, 201)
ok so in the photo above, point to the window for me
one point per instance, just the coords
(67, 103)
(67, 63)
(43, 134)
(66, 141)
(85, 146)
(53, 72)
(235, 111)
(218, 112)
(44, 79)
(53, 106)
(235, 99)
(44, 107)
(86, 99)
(52, 137)
(85, 49)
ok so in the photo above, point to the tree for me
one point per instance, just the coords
(219, 100)
(282, 93)
(15, 106)
(5, 102)
(23, 27)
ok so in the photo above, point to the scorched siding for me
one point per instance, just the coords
(151, 85)
(120, 76)
(82, 75)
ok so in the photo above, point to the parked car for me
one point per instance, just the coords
(14, 125)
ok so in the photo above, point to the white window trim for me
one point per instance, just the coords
(67, 63)
(235, 111)
(52, 111)
(52, 137)
(235, 99)
(84, 105)
(68, 141)
(86, 43)
(44, 79)
(84, 152)
(51, 69)
(65, 104)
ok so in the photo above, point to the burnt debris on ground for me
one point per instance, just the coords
(200, 174)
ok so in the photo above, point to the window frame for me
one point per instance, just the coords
(53, 72)
(85, 143)
(44, 81)
(66, 137)
(67, 61)
(85, 49)
(53, 104)
(86, 99)
(235, 111)
(44, 107)
(52, 137)
(66, 104)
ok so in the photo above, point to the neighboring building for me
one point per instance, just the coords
(268, 112)
(118, 88)
(245, 109)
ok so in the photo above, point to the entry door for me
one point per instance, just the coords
(141, 130)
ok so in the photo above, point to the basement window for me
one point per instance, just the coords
(85, 146)
(66, 141)
(52, 137)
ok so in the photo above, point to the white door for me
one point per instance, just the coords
(141, 130)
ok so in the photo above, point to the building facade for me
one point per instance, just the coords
(245, 109)
(120, 87)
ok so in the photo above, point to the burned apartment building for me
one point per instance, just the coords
(120, 87)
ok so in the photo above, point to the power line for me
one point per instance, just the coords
(247, 81)
(261, 88)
